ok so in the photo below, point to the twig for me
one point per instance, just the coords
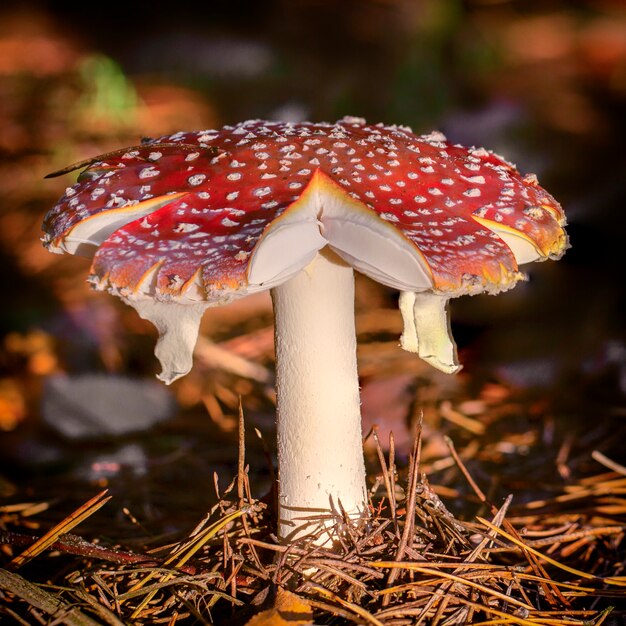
(409, 518)
(386, 480)
(73, 544)
(43, 600)
(549, 591)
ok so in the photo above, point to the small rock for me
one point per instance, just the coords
(98, 405)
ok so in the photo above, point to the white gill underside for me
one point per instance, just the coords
(321, 217)
(90, 233)
(325, 218)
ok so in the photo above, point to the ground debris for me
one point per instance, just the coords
(411, 561)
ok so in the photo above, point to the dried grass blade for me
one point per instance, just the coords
(560, 584)
(188, 550)
(354, 608)
(610, 463)
(457, 579)
(386, 478)
(617, 581)
(62, 528)
(183, 554)
(105, 614)
(552, 593)
(507, 618)
(167, 581)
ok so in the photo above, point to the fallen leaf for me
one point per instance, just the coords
(288, 610)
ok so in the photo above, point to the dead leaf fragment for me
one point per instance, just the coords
(288, 610)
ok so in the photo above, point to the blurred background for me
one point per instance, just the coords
(541, 82)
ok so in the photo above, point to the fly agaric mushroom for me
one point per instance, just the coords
(197, 219)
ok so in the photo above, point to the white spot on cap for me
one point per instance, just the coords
(148, 172)
(435, 136)
(227, 222)
(390, 217)
(477, 180)
(355, 121)
(464, 240)
(234, 176)
(262, 191)
(471, 166)
(472, 193)
(192, 156)
(233, 195)
(480, 152)
(534, 212)
(184, 227)
(155, 156)
(196, 179)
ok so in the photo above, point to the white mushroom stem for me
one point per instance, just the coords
(320, 452)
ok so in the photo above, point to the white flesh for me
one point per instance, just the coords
(178, 326)
(88, 234)
(522, 247)
(427, 330)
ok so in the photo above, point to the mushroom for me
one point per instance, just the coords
(198, 219)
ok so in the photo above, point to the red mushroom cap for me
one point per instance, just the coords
(182, 216)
